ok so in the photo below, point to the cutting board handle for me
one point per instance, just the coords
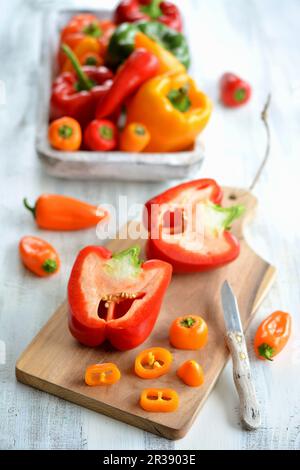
(249, 408)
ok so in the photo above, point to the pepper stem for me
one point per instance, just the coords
(84, 82)
(266, 351)
(30, 208)
(152, 9)
(49, 266)
(180, 99)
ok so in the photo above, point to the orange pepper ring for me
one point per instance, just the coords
(159, 400)
(106, 373)
(158, 359)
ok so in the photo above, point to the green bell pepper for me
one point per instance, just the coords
(121, 44)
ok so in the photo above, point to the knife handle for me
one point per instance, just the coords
(249, 409)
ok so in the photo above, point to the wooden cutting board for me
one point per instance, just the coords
(55, 363)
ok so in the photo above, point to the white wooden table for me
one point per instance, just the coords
(257, 39)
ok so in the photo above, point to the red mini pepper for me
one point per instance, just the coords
(101, 134)
(189, 229)
(138, 68)
(234, 91)
(129, 11)
(76, 94)
(115, 297)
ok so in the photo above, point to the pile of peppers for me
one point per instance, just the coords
(123, 84)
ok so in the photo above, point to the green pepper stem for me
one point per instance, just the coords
(180, 99)
(85, 82)
(30, 208)
(49, 266)
(152, 9)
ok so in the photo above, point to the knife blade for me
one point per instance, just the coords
(249, 408)
(230, 308)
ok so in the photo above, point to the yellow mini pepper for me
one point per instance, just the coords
(173, 110)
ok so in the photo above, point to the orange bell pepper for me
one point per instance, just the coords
(102, 374)
(159, 400)
(152, 363)
(173, 110)
(191, 373)
(272, 335)
(86, 26)
(167, 61)
(188, 332)
(87, 44)
(39, 256)
(134, 138)
(58, 212)
(91, 58)
(65, 134)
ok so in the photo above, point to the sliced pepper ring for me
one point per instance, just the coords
(159, 400)
(152, 363)
(102, 374)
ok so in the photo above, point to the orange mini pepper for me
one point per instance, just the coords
(65, 134)
(191, 373)
(159, 400)
(102, 374)
(39, 256)
(173, 110)
(134, 138)
(272, 335)
(188, 332)
(58, 212)
(152, 363)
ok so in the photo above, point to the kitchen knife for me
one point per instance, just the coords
(249, 409)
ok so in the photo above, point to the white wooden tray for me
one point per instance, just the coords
(98, 165)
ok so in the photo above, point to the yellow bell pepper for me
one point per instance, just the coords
(173, 110)
(167, 61)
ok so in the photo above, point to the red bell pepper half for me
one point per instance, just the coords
(76, 94)
(130, 11)
(189, 229)
(115, 296)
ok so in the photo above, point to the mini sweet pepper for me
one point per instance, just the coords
(173, 110)
(115, 296)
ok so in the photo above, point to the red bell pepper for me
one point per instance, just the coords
(189, 229)
(76, 94)
(129, 11)
(82, 24)
(115, 297)
(234, 91)
(101, 134)
(138, 68)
